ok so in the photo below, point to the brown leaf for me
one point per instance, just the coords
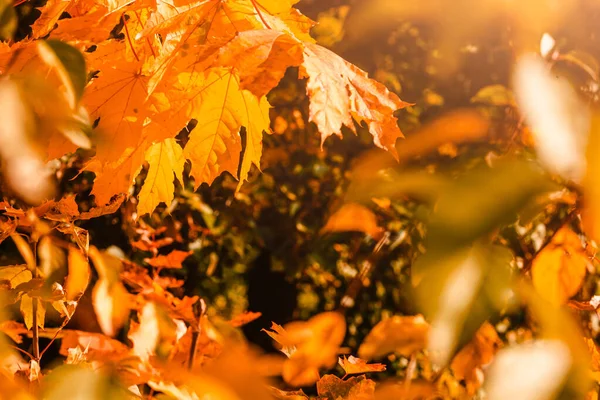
(353, 365)
(110, 208)
(331, 387)
(288, 394)
(401, 334)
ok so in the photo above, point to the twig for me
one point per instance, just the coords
(199, 309)
(22, 351)
(410, 371)
(65, 322)
(349, 298)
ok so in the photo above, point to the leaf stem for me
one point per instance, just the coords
(129, 37)
(255, 4)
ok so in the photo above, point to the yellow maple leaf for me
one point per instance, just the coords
(117, 98)
(165, 159)
(221, 109)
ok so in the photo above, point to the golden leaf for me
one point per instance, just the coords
(110, 298)
(165, 160)
(401, 334)
(558, 270)
(27, 311)
(317, 343)
(79, 274)
(467, 364)
(15, 274)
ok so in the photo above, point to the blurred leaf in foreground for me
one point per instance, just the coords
(459, 293)
(482, 200)
(353, 365)
(79, 382)
(559, 269)
(352, 217)
(404, 335)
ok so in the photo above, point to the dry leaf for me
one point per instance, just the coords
(331, 387)
(171, 260)
(353, 365)
(339, 92)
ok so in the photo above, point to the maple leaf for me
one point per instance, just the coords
(353, 365)
(259, 57)
(165, 160)
(339, 91)
(221, 109)
(171, 260)
(116, 97)
(115, 178)
(279, 335)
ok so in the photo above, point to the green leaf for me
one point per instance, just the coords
(82, 382)
(8, 20)
(69, 63)
(483, 200)
(459, 293)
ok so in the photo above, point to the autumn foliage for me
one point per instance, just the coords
(486, 215)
